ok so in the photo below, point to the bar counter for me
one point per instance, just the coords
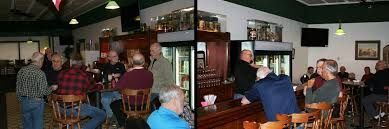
(231, 114)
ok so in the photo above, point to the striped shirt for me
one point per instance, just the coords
(31, 82)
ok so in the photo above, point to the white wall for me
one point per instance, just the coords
(44, 40)
(342, 48)
(237, 17)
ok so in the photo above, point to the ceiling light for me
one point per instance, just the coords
(187, 9)
(112, 5)
(73, 21)
(340, 31)
(29, 40)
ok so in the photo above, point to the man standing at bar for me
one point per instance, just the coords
(114, 69)
(31, 86)
(161, 69)
(244, 73)
(275, 92)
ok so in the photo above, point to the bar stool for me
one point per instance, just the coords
(326, 113)
(383, 106)
(352, 96)
(340, 121)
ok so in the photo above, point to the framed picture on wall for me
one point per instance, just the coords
(367, 50)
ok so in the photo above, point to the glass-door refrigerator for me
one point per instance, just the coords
(275, 55)
(181, 55)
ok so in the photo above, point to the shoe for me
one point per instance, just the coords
(382, 114)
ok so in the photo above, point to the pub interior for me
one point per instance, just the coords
(241, 82)
(204, 64)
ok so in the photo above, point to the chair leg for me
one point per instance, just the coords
(79, 126)
(379, 116)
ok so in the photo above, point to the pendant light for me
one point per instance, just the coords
(29, 40)
(112, 5)
(73, 21)
(340, 31)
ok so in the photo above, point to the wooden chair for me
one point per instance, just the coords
(136, 108)
(383, 106)
(312, 120)
(272, 125)
(339, 122)
(285, 119)
(66, 110)
(326, 113)
(250, 125)
(300, 118)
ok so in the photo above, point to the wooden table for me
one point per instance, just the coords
(359, 85)
(231, 114)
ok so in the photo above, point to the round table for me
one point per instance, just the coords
(359, 85)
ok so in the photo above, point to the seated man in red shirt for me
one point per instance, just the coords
(75, 81)
(136, 78)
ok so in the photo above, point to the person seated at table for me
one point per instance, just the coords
(116, 69)
(307, 75)
(367, 74)
(275, 92)
(172, 104)
(343, 74)
(137, 78)
(75, 81)
(377, 84)
(329, 91)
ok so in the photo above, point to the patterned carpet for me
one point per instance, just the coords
(14, 119)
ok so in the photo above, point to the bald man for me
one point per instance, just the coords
(244, 73)
(137, 78)
(377, 84)
(116, 69)
(275, 92)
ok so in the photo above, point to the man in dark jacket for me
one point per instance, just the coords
(275, 92)
(244, 73)
(377, 84)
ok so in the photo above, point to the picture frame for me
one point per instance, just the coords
(367, 50)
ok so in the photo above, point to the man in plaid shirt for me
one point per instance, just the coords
(75, 81)
(31, 86)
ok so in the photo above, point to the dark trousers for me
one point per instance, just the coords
(116, 107)
(369, 102)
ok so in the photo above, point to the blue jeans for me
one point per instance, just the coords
(97, 115)
(32, 112)
(238, 96)
(107, 98)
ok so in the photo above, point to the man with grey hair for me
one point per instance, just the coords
(172, 104)
(113, 69)
(275, 93)
(330, 90)
(161, 69)
(137, 78)
(31, 86)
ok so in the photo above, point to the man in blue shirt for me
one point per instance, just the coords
(172, 104)
(275, 92)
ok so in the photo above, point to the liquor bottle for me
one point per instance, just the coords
(113, 81)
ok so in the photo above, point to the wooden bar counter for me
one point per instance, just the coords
(231, 114)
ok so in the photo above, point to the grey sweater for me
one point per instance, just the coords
(329, 93)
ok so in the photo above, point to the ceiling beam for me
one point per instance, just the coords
(67, 16)
(29, 8)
